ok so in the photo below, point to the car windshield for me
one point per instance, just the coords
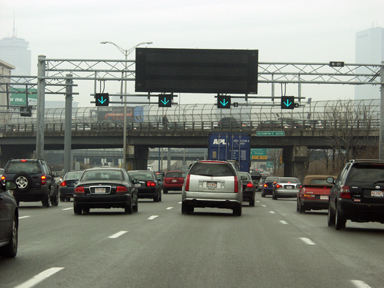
(101, 175)
(212, 169)
(27, 167)
(319, 182)
(366, 173)
(289, 180)
(141, 176)
(271, 179)
(174, 174)
(244, 176)
(73, 175)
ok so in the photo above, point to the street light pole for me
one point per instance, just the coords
(126, 52)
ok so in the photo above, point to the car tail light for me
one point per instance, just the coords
(249, 185)
(151, 184)
(43, 180)
(79, 189)
(187, 183)
(345, 192)
(236, 185)
(63, 184)
(265, 185)
(308, 196)
(2, 178)
(23, 160)
(121, 189)
(278, 186)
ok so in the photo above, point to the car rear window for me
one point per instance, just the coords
(102, 175)
(271, 179)
(174, 174)
(27, 167)
(141, 176)
(319, 182)
(73, 176)
(212, 169)
(289, 180)
(366, 173)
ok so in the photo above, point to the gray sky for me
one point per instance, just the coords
(282, 30)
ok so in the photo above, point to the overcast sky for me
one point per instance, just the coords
(282, 30)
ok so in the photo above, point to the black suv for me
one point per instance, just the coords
(34, 180)
(357, 193)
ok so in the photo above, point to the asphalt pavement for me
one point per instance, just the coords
(270, 245)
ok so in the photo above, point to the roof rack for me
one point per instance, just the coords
(366, 160)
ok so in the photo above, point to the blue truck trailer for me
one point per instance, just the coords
(231, 146)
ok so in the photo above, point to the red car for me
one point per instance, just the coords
(314, 193)
(173, 180)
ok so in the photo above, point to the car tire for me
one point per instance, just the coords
(128, 209)
(23, 182)
(136, 207)
(86, 210)
(330, 217)
(156, 198)
(62, 198)
(185, 208)
(45, 202)
(10, 250)
(263, 194)
(274, 196)
(300, 208)
(77, 210)
(340, 220)
(237, 210)
(54, 201)
(165, 191)
(252, 202)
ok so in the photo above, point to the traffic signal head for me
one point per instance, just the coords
(102, 99)
(165, 100)
(287, 102)
(224, 102)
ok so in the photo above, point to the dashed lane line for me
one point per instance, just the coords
(153, 217)
(307, 241)
(70, 208)
(40, 277)
(360, 284)
(169, 208)
(118, 234)
(23, 217)
(272, 212)
(283, 222)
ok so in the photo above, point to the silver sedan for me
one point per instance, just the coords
(286, 187)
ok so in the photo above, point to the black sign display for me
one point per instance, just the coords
(224, 102)
(165, 100)
(102, 99)
(287, 102)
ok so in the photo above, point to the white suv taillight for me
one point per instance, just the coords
(236, 185)
(187, 183)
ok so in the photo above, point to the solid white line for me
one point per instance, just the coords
(169, 208)
(272, 212)
(307, 241)
(283, 222)
(23, 217)
(40, 277)
(153, 217)
(70, 208)
(118, 234)
(360, 284)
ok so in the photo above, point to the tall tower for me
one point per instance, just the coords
(369, 50)
(15, 51)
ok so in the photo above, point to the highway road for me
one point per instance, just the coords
(270, 245)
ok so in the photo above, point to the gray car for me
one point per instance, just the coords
(212, 184)
(286, 187)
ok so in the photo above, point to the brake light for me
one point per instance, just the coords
(278, 186)
(249, 185)
(2, 178)
(79, 189)
(23, 160)
(236, 185)
(121, 189)
(151, 184)
(345, 193)
(43, 180)
(62, 184)
(187, 183)
(265, 185)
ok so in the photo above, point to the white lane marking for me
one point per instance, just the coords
(307, 241)
(40, 277)
(23, 217)
(153, 217)
(272, 212)
(264, 205)
(283, 222)
(169, 208)
(179, 202)
(70, 208)
(118, 234)
(257, 201)
(360, 284)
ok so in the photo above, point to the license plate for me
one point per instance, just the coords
(100, 190)
(138, 185)
(174, 180)
(211, 185)
(324, 197)
(377, 193)
(288, 187)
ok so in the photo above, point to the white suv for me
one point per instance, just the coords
(212, 184)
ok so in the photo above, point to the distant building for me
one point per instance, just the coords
(369, 50)
(5, 70)
(15, 51)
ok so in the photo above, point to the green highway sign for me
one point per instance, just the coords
(18, 97)
(270, 133)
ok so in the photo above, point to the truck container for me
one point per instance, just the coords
(234, 147)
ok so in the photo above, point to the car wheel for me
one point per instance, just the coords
(252, 202)
(156, 198)
(185, 208)
(330, 217)
(340, 220)
(128, 209)
(77, 210)
(54, 201)
(23, 181)
(86, 210)
(301, 208)
(10, 250)
(62, 198)
(237, 210)
(17, 203)
(165, 191)
(274, 196)
(45, 202)
(136, 207)
(262, 194)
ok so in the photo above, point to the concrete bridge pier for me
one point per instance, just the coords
(16, 152)
(294, 158)
(137, 157)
